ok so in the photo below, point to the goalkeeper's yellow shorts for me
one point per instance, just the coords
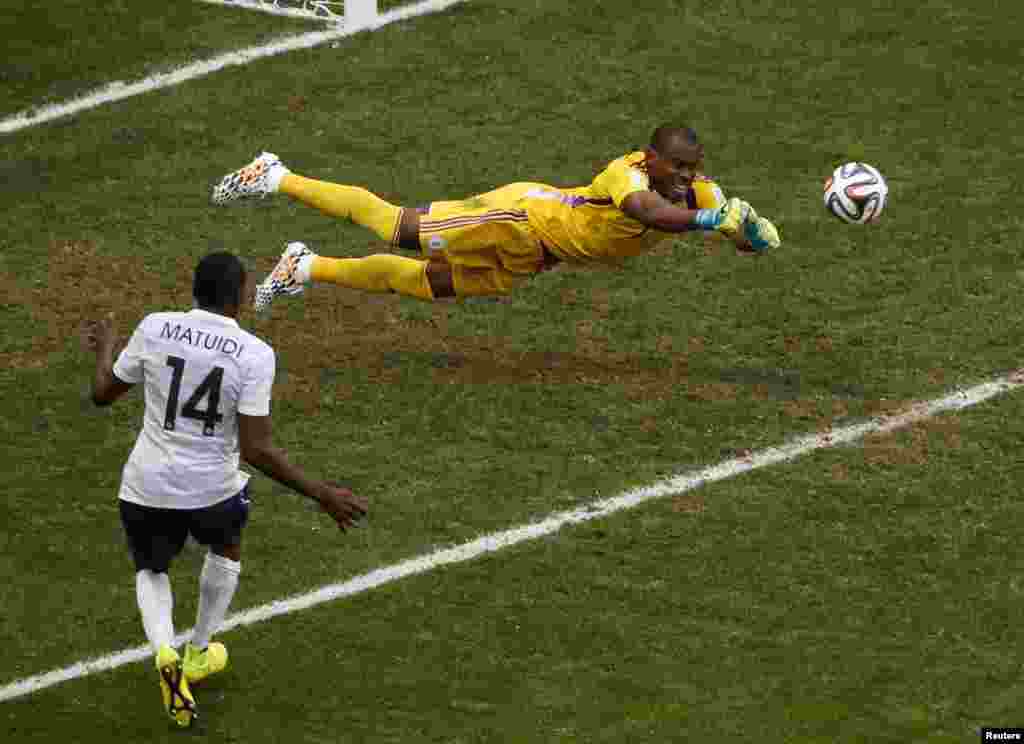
(487, 240)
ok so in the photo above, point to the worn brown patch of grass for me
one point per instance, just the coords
(915, 445)
(688, 503)
(341, 328)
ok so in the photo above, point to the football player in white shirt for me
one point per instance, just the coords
(207, 390)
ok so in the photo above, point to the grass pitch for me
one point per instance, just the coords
(867, 594)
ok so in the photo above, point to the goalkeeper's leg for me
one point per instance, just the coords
(426, 280)
(397, 225)
(266, 174)
(347, 202)
(383, 272)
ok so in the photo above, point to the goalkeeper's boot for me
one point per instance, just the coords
(178, 700)
(283, 280)
(258, 178)
(199, 665)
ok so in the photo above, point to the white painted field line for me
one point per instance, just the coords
(499, 540)
(119, 90)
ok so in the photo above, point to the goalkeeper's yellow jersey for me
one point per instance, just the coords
(586, 223)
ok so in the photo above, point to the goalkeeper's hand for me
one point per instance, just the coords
(759, 233)
(727, 219)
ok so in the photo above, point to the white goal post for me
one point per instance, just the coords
(350, 12)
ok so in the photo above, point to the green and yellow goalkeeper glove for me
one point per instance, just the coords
(727, 219)
(760, 232)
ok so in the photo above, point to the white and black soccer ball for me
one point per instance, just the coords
(856, 192)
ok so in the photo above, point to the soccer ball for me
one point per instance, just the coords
(856, 192)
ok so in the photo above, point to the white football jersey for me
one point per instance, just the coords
(200, 370)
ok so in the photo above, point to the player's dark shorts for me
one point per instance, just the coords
(156, 536)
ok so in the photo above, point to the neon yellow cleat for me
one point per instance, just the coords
(178, 700)
(201, 664)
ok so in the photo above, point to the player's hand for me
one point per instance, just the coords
(730, 217)
(97, 335)
(760, 234)
(345, 508)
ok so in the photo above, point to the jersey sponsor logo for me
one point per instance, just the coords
(201, 339)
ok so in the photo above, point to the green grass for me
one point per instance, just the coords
(866, 594)
(54, 51)
(882, 605)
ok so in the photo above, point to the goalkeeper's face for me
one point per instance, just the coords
(673, 168)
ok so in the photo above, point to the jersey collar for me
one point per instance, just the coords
(213, 317)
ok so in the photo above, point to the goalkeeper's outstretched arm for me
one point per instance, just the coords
(735, 219)
(655, 211)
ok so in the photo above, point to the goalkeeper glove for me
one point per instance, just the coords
(727, 219)
(760, 233)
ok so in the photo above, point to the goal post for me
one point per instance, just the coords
(350, 12)
(359, 12)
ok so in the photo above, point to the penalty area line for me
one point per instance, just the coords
(499, 540)
(119, 90)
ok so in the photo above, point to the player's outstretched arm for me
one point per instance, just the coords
(257, 448)
(98, 337)
(735, 219)
(655, 211)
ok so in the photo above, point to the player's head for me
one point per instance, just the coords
(672, 159)
(219, 283)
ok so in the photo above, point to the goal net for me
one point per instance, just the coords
(351, 11)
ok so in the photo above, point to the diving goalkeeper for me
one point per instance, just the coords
(490, 243)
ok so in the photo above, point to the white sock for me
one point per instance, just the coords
(156, 603)
(274, 175)
(303, 268)
(217, 584)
